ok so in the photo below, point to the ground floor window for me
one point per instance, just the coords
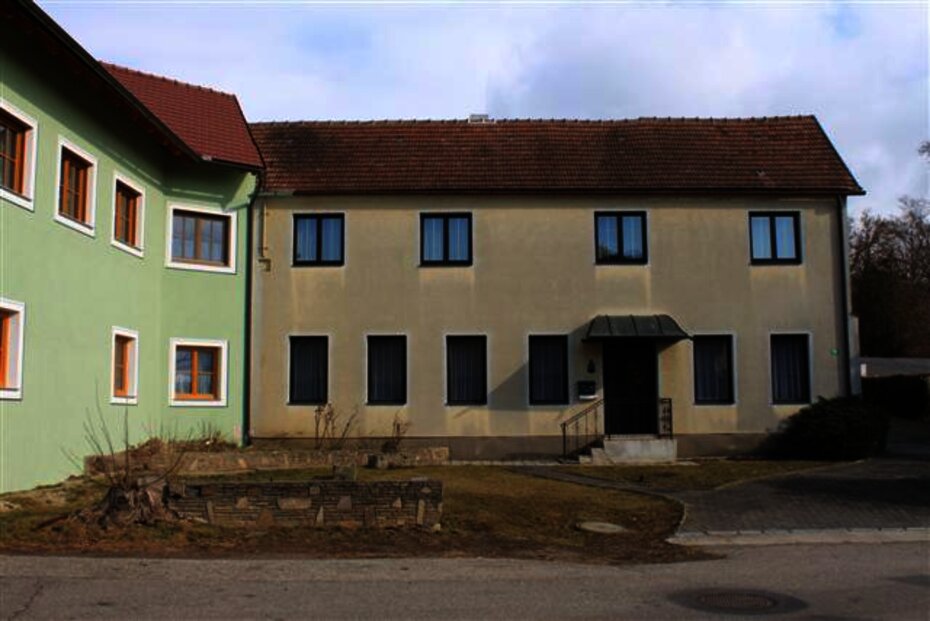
(387, 370)
(125, 357)
(309, 370)
(12, 322)
(466, 370)
(713, 369)
(198, 372)
(791, 368)
(548, 369)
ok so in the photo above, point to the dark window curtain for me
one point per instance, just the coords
(466, 369)
(790, 369)
(309, 369)
(319, 239)
(713, 369)
(387, 369)
(548, 370)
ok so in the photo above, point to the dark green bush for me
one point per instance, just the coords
(831, 429)
(907, 396)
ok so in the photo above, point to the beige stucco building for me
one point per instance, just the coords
(689, 284)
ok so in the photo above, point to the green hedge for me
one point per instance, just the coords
(907, 396)
(831, 429)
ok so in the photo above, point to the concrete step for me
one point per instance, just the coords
(640, 449)
(599, 457)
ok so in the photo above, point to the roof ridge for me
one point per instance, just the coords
(163, 78)
(493, 121)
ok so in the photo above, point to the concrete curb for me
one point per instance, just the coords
(810, 536)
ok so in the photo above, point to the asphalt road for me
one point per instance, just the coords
(851, 582)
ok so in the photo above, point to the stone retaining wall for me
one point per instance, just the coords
(232, 461)
(416, 503)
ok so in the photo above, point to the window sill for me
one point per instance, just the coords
(297, 404)
(445, 264)
(15, 198)
(319, 264)
(196, 403)
(621, 263)
(124, 400)
(200, 267)
(775, 262)
(459, 404)
(11, 394)
(136, 252)
(709, 404)
(391, 403)
(80, 227)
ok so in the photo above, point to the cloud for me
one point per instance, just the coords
(862, 69)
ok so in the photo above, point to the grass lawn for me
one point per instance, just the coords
(703, 475)
(488, 511)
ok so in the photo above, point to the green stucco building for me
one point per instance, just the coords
(123, 251)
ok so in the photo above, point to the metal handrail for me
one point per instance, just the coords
(582, 418)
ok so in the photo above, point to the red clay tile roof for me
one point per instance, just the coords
(762, 155)
(208, 121)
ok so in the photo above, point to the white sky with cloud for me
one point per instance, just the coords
(862, 69)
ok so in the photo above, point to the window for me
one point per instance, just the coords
(790, 369)
(125, 366)
(548, 370)
(775, 237)
(198, 372)
(202, 239)
(318, 239)
(445, 239)
(713, 369)
(76, 188)
(17, 156)
(127, 216)
(12, 316)
(309, 370)
(466, 370)
(620, 237)
(387, 370)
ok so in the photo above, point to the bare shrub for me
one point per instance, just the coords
(329, 431)
(399, 429)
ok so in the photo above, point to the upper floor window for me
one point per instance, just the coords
(318, 239)
(202, 239)
(713, 369)
(77, 176)
(620, 237)
(127, 216)
(198, 372)
(12, 318)
(125, 366)
(445, 239)
(775, 237)
(17, 156)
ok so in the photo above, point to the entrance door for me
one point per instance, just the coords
(631, 387)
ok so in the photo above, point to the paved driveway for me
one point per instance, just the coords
(881, 493)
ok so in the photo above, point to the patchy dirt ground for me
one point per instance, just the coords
(488, 511)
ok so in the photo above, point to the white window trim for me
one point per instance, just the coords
(16, 391)
(287, 365)
(181, 265)
(734, 370)
(89, 228)
(223, 346)
(406, 403)
(445, 370)
(26, 200)
(810, 367)
(140, 217)
(568, 361)
(133, 398)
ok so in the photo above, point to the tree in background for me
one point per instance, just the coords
(890, 274)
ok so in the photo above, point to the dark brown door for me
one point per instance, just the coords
(631, 387)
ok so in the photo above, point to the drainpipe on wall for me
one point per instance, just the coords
(247, 384)
(852, 384)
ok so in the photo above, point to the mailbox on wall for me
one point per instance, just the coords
(587, 390)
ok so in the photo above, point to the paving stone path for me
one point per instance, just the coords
(881, 493)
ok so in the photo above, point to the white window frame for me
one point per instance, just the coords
(26, 200)
(15, 363)
(133, 397)
(734, 370)
(196, 267)
(223, 346)
(140, 216)
(287, 365)
(810, 367)
(89, 228)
